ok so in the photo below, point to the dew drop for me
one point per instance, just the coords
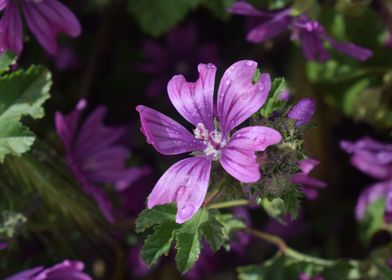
(245, 96)
(227, 82)
(232, 68)
(179, 192)
(186, 211)
(210, 65)
(259, 139)
(249, 63)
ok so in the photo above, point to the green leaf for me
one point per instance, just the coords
(159, 242)
(373, 220)
(22, 94)
(6, 60)
(273, 102)
(157, 215)
(156, 17)
(218, 7)
(292, 201)
(230, 224)
(188, 241)
(213, 233)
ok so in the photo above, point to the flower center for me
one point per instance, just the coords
(212, 139)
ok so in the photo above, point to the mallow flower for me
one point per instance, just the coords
(374, 159)
(310, 33)
(94, 154)
(175, 57)
(303, 111)
(70, 270)
(309, 185)
(45, 19)
(186, 182)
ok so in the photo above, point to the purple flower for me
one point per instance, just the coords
(45, 18)
(94, 155)
(65, 59)
(186, 182)
(308, 184)
(135, 262)
(309, 32)
(303, 111)
(180, 54)
(70, 270)
(305, 276)
(371, 157)
(289, 229)
(242, 239)
(374, 159)
(373, 193)
(3, 245)
(207, 264)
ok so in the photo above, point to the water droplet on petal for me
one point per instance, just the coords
(210, 65)
(249, 63)
(245, 95)
(227, 82)
(186, 211)
(232, 68)
(179, 192)
(259, 139)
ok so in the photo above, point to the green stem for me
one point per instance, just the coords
(284, 249)
(227, 204)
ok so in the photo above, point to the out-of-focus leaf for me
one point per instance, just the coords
(6, 60)
(373, 220)
(22, 93)
(156, 17)
(218, 7)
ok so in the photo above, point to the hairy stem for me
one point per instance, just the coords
(284, 249)
(227, 204)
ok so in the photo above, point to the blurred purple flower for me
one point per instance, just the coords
(373, 193)
(69, 270)
(65, 59)
(135, 262)
(309, 32)
(242, 239)
(305, 276)
(309, 185)
(45, 18)
(303, 111)
(374, 159)
(206, 264)
(94, 155)
(186, 182)
(371, 157)
(180, 54)
(289, 228)
(3, 245)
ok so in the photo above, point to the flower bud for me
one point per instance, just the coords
(303, 111)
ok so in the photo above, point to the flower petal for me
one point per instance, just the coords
(166, 135)
(238, 156)
(270, 28)
(350, 49)
(238, 97)
(40, 27)
(194, 100)
(185, 183)
(370, 195)
(245, 9)
(66, 125)
(27, 274)
(11, 31)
